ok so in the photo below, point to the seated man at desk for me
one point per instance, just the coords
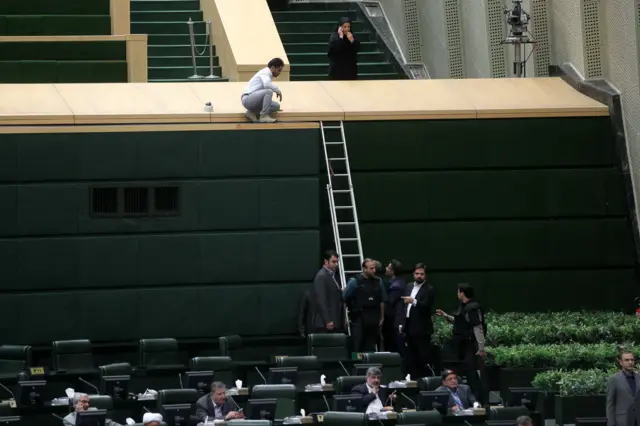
(214, 405)
(81, 403)
(374, 398)
(460, 396)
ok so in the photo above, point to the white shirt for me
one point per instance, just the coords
(261, 80)
(414, 292)
(375, 406)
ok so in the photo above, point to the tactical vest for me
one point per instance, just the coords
(461, 323)
(367, 300)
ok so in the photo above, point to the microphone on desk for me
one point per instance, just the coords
(89, 384)
(432, 372)
(234, 403)
(467, 423)
(389, 398)
(263, 378)
(326, 402)
(180, 380)
(146, 409)
(58, 417)
(345, 370)
(415, 406)
(9, 391)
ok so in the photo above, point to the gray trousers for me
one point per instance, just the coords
(260, 102)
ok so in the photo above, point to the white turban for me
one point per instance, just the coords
(151, 417)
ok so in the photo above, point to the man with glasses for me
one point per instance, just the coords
(81, 403)
(460, 396)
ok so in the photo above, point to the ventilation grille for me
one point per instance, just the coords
(540, 31)
(412, 29)
(135, 201)
(592, 44)
(454, 38)
(495, 13)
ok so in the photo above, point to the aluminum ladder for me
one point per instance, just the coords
(342, 203)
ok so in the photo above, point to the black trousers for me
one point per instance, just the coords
(390, 335)
(366, 337)
(418, 354)
(466, 350)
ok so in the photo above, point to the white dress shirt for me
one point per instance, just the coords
(375, 406)
(263, 79)
(414, 292)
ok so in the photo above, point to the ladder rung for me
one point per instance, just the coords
(334, 143)
(346, 223)
(337, 159)
(352, 272)
(350, 255)
(343, 207)
(340, 174)
(348, 239)
(341, 191)
(331, 127)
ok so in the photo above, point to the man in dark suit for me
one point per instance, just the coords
(396, 288)
(214, 406)
(460, 396)
(374, 397)
(415, 323)
(326, 294)
(622, 393)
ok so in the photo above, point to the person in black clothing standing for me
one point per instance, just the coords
(396, 288)
(326, 298)
(469, 331)
(365, 296)
(343, 52)
(415, 323)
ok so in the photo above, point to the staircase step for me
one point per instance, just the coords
(313, 15)
(315, 27)
(315, 58)
(180, 61)
(160, 27)
(140, 5)
(361, 76)
(179, 72)
(179, 80)
(166, 15)
(363, 67)
(323, 47)
(175, 39)
(177, 49)
(316, 37)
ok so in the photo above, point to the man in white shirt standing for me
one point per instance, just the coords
(257, 97)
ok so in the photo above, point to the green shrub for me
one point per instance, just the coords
(600, 356)
(515, 328)
(573, 383)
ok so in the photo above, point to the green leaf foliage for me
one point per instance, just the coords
(573, 383)
(516, 328)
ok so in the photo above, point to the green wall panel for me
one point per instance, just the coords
(64, 51)
(42, 7)
(476, 194)
(487, 143)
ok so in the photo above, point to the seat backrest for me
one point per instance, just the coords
(336, 418)
(429, 418)
(328, 346)
(159, 353)
(508, 413)
(72, 355)
(344, 384)
(430, 383)
(304, 363)
(222, 367)
(391, 364)
(177, 396)
(118, 369)
(273, 391)
(16, 353)
(249, 423)
(101, 402)
(229, 344)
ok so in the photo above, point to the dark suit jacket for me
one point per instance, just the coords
(622, 405)
(421, 323)
(367, 397)
(327, 301)
(464, 392)
(304, 314)
(204, 408)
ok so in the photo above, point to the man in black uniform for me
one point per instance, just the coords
(469, 331)
(365, 296)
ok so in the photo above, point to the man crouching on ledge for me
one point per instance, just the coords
(257, 96)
